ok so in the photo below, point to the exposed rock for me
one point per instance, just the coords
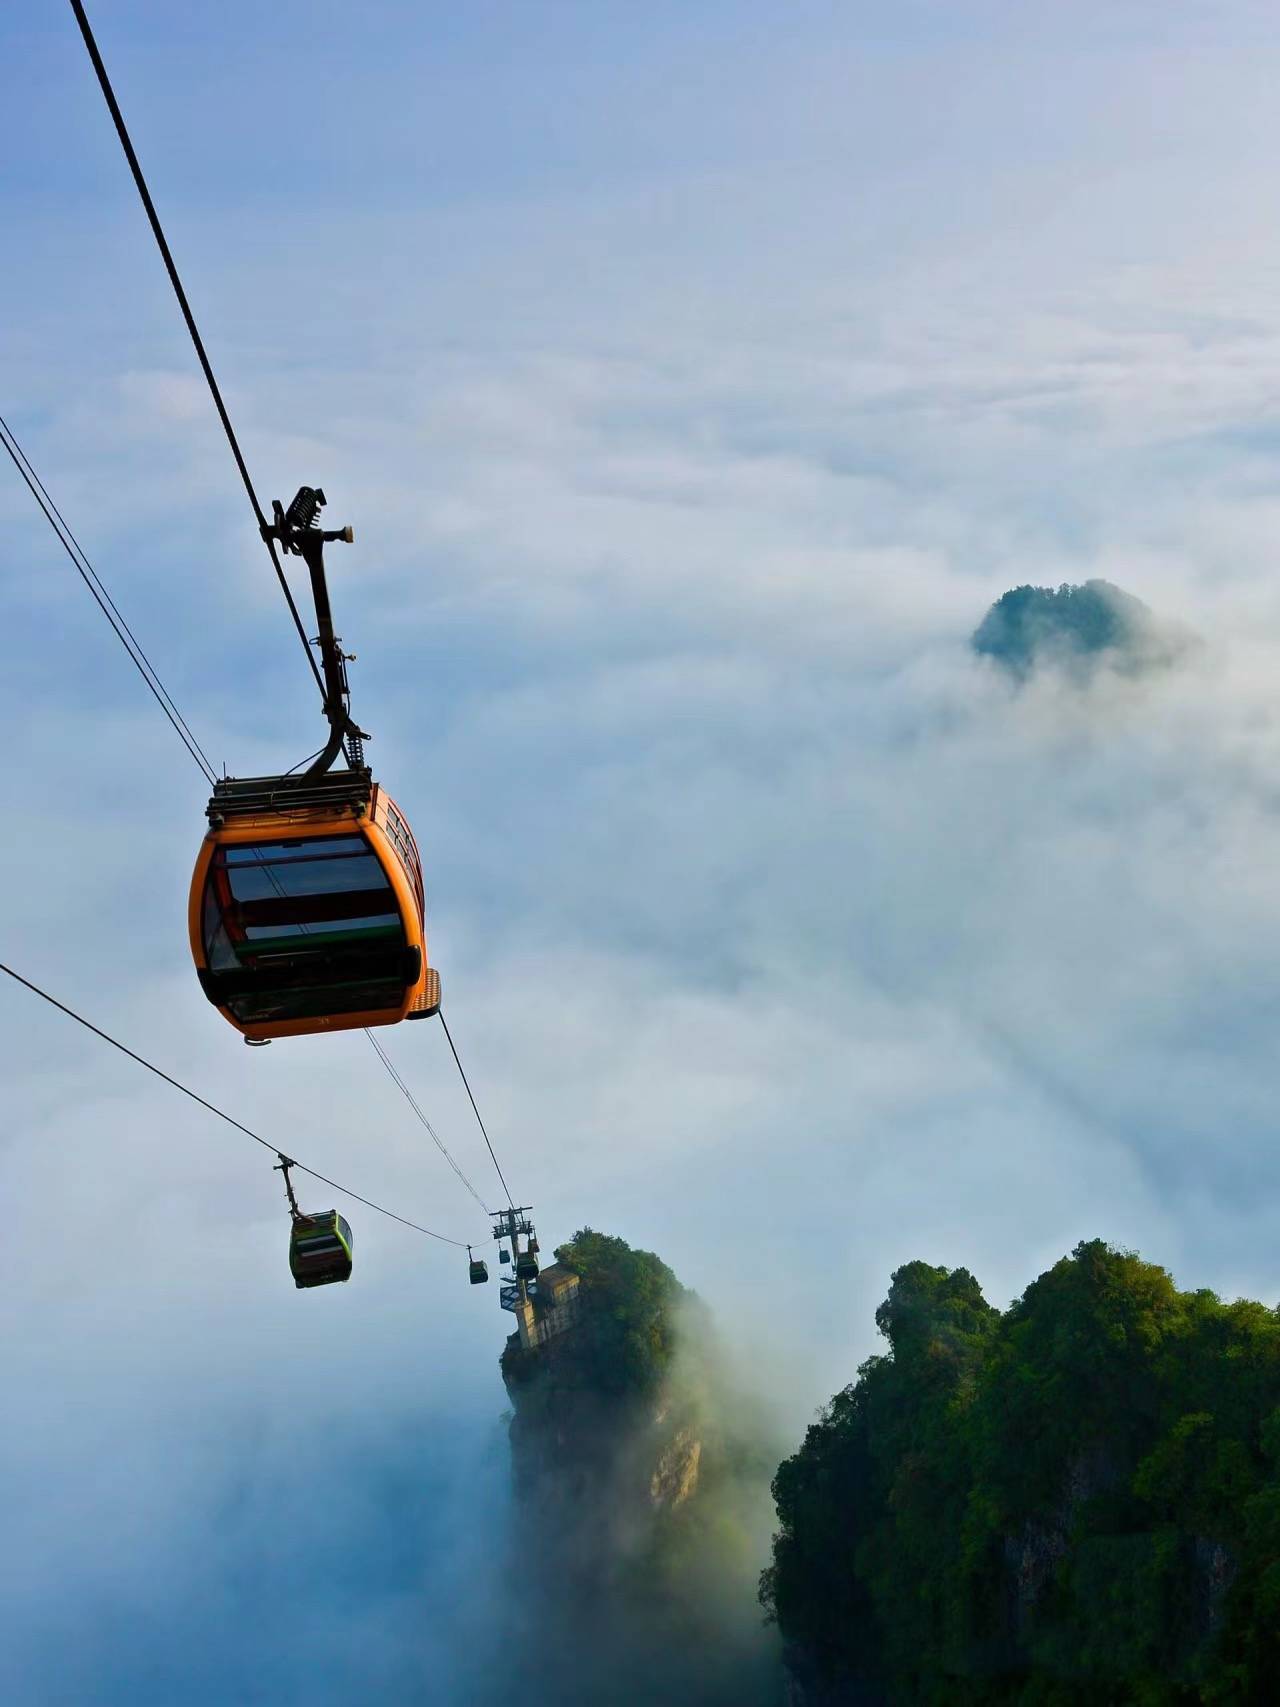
(632, 1482)
(1032, 1558)
(675, 1476)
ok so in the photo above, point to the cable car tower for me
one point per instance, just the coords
(544, 1302)
(514, 1224)
(518, 1295)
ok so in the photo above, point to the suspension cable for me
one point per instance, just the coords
(412, 1101)
(164, 699)
(345, 1190)
(106, 604)
(462, 1072)
(171, 268)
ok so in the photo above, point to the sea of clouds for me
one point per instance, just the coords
(781, 934)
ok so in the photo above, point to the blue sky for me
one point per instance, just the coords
(693, 382)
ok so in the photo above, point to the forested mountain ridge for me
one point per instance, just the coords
(1073, 1501)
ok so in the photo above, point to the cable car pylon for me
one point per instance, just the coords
(513, 1224)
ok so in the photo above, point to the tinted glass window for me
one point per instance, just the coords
(303, 928)
(313, 1001)
(323, 847)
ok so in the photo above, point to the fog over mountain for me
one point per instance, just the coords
(1075, 629)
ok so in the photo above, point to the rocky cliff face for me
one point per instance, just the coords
(601, 1474)
(646, 1517)
(675, 1476)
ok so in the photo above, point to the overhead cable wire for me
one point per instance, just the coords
(106, 604)
(157, 229)
(409, 1097)
(463, 1074)
(177, 1085)
(164, 699)
(166, 254)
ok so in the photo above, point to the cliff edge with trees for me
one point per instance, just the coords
(641, 1483)
(1076, 1500)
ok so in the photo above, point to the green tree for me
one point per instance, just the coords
(1072, 625)
(1076, 1501)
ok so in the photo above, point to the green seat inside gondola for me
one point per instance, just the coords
(320, 1249)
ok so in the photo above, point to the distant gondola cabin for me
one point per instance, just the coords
(320, 1249)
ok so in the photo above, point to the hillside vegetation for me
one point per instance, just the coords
(624, 1343)
(1074, 627)
(1074, 1501)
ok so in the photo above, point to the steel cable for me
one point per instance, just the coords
(106, 604)
(409, 1097)
(166, 254)
(177, 1085)
(167, 704)
(475, 1110)
(198, 343)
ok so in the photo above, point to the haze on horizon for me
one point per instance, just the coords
(694, 383)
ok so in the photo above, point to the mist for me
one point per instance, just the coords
(652, 1517)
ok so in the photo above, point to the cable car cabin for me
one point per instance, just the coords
(320, 1249)
(526, 1265)
(479, 1271)
(306, 911)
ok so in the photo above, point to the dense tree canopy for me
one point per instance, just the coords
(1069, 624)
(1076, 1501)
(627, 1329)
(631, 1297)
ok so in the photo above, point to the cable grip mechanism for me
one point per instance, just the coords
(282, 1167)
(298, 530)
(299, 525)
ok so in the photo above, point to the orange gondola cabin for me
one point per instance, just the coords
(306, 911)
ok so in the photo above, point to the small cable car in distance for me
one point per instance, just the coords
(526, 1265)
(306, 911)
(320, 1249)
(319, 1244)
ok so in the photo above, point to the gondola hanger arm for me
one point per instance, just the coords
(282, 1167)
(297, 531)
